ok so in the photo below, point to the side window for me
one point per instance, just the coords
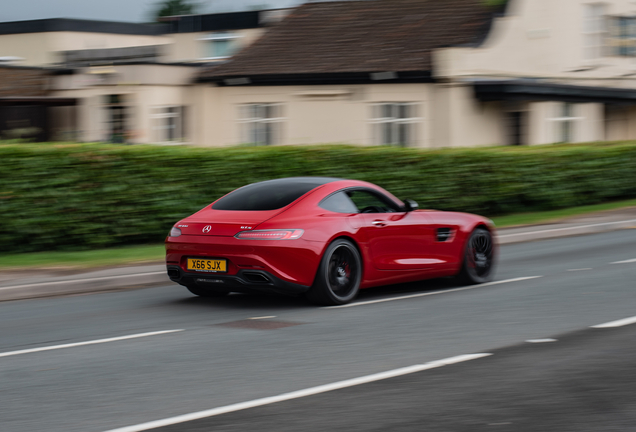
(339, 203)
(368, 202)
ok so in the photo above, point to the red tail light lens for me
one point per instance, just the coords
(287, 234)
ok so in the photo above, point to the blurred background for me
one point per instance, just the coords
(120, 118)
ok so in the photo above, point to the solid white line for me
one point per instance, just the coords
(432, 293)
(619, 323)
(546, 340)
(568, 228)
(299, 394)
(100, 341)
(81, 280)
(625, 262)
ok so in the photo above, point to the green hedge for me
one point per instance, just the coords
(75, 196)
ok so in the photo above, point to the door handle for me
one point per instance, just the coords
(379, 223)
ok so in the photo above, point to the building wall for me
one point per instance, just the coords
(187, 47)
(43, 49)
(543, 39)
(312, 114)
(460, 120)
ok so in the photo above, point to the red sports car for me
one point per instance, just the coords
(325, 238)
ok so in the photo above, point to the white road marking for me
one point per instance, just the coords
(625, 262)
(546, 340)
(433, 293)
(99, 341)
(82, 280)
(259, 318)
(581, 269)
(300, 393)
(619, 323)
(573, 228)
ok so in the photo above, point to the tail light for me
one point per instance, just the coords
(175, 232)
(285, 234)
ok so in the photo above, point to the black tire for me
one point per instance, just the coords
(207, 292)
(339, 275)
(478, 265)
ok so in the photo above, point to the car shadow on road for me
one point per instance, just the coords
(261, 301)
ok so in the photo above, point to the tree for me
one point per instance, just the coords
(175, 7)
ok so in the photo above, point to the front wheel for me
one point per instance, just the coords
(479, 258)
(339, 275)
(206, 292)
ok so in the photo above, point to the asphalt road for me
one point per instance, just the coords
(213, 354)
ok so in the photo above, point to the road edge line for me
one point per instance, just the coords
(299, 393)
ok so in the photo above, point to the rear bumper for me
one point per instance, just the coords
(245, 281)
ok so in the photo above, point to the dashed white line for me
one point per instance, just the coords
(433, 293)
(626, 261)
(619, 323)
(300, 393)
(581, 269)
(546, 340)
(263, 317)
(99, 341)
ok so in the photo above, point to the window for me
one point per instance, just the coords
(339, 203)
(370, 202)
(595, 31)
(623, 36)
(565, 123)
(220, 45)
(267, 195)
(117, 117)
(394, 123)
(168, 124)
(260, 123)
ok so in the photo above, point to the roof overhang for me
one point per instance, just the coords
(520, 90)
(321, 78)
(37, 101)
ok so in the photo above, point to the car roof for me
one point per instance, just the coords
(317, 181)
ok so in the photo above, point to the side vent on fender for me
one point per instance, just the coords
(445, 235)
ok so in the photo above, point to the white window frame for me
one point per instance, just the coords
(619, 40)
(258, 130)
(219, 36)
(562, 119)
(595, 31)
(158, 116)
(379, 123)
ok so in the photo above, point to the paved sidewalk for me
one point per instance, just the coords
(21, 284)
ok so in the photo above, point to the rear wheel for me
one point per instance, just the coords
(206, 292)
(479, 258)
(339, 275)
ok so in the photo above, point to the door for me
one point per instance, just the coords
(396, 240)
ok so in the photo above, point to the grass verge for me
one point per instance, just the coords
(155, 253)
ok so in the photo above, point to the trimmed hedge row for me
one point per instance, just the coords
(75, 196)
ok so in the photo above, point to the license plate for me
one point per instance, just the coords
(207, 265)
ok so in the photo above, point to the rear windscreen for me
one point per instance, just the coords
(270, 195)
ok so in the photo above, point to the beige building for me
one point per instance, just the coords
(125, 81)
(416, 73)
(429, 74)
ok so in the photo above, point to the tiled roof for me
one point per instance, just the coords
(360, 36)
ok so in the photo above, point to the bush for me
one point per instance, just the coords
(80, 196)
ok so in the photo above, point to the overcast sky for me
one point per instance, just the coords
(116, 10)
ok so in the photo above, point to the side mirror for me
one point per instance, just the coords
(410, 205)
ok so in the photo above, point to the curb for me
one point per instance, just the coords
(73, 285)
(82, 286)
(565, 232)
